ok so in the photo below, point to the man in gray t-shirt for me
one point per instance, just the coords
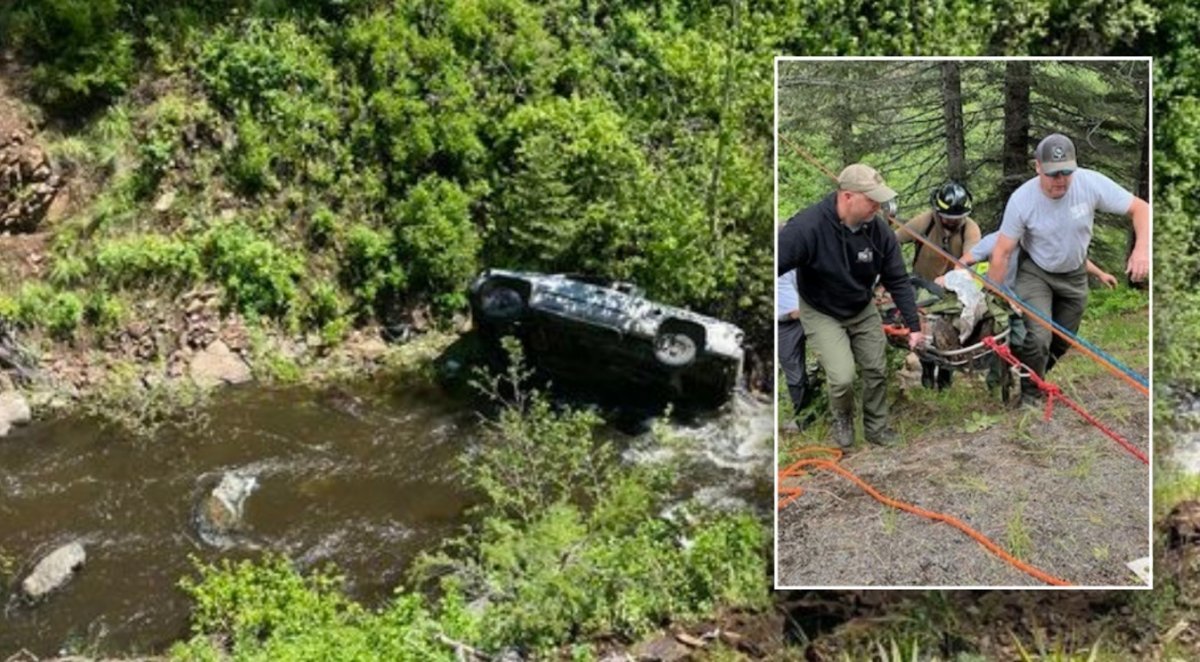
(1050, 218)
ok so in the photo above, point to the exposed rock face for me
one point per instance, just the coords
(220, 513)
(54, 570)
(28, 182)
(217, 365)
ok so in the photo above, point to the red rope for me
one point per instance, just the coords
(1053, 393)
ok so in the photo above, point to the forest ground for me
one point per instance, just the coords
(1057, 494)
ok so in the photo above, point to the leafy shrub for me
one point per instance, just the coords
(68, 270)
(571, 201)
(269, 611)
(370, 269)
(260, 62)
(103, 311)
(31, 304)
(259, 277)
(249, 161)
(437, 241)
(83, 56)
(147, 259)
(322, 228)
(162, 137)
(63, 314)
(324, 305)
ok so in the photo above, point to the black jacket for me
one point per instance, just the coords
(836, 268)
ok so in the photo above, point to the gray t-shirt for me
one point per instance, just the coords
(983, 251)
(1056, 233)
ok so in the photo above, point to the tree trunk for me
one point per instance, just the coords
(1018, 76)
(956, 150)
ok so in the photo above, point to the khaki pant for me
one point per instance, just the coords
(840, 345)
(1060, 296)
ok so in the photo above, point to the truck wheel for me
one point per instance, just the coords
(498, 302)
(674, 348)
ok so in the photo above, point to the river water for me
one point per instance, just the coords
(364, 479)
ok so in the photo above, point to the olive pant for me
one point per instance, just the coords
(1061, 296)
(840, 345)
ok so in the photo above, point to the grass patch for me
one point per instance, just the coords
(1020, 543)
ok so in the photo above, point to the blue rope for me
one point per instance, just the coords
(1046, 318)
(1037, 313)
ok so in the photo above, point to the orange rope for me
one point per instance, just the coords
(797, 470)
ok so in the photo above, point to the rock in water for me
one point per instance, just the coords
(54, 570)
(220, 512)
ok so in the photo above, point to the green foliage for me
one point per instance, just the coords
(535, 456)
(436, 240)
(68, 270)
(63, 313)
(103, 311)
(162, 138)
(258, 276)
(322, 228)
(268, 611)
(571, 543)
(143, 260)
(250, 159)
(572, 200)
(82, 56)
(370, 268)
(1104, 304)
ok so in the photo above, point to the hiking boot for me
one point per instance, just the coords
(790, 427)
(1030, 395)
(843, 431)
(885, 437)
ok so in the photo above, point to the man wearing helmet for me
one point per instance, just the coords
(1050, 218)
(839, 249)
(947, 225)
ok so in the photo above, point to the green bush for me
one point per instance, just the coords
(84, 57)
(322, 228)
(103, 311)
(68, 270)
(370, 269)
(63, 314)
(147, 260)
(258, 276)
(572, 200)
(268, 611)
(249, 162)
(31, 304)
(436, 240)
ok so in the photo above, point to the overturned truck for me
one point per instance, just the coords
(609, 335)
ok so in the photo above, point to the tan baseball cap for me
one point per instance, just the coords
(864, 179)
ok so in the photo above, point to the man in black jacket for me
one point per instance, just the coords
(839, 251)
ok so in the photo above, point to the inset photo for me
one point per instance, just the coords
(963, 323)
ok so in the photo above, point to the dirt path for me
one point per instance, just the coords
(1059, 494)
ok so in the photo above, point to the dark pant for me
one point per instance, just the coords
(932, 374)
(791, 356)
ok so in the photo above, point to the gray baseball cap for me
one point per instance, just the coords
(1056, 152)
(864, 179)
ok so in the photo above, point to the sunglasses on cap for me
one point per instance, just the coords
(1065, 172)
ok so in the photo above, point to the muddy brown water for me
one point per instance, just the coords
(363, 480)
